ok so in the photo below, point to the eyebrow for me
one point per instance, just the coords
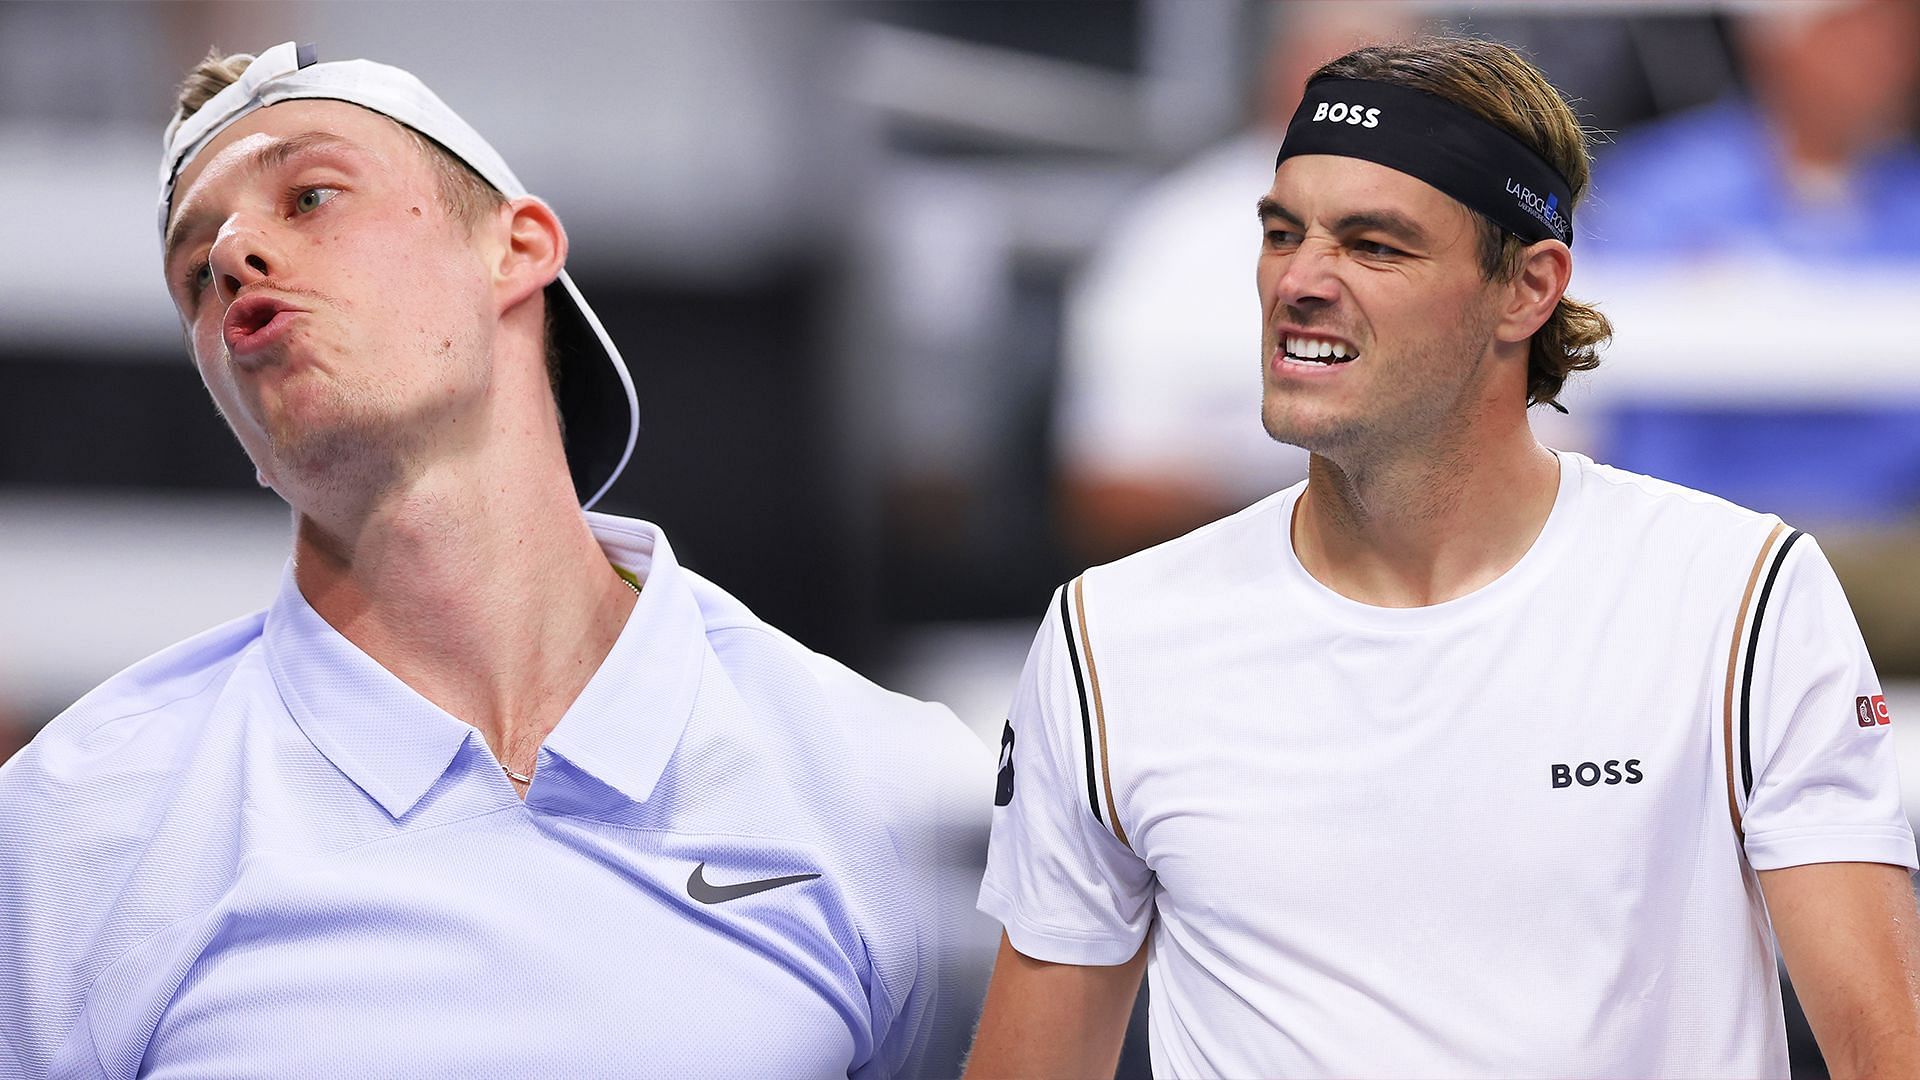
(1391, 222)
(1269, 209)
(271, 156)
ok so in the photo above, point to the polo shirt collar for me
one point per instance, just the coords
(377, 730)
(626, 723)
(395, 744)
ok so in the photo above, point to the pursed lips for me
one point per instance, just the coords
(253, 323)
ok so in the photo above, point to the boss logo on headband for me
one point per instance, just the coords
(1339, 112)
(1546, 211)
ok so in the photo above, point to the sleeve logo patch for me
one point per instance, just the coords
(1870, 711)
(1003, 791)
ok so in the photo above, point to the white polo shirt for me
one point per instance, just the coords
(258, 853)
(1511, 834)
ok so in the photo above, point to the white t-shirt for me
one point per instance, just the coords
(1498, 835)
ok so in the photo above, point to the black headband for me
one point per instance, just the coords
(1431, 139)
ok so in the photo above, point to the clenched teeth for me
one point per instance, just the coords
(1317, 349)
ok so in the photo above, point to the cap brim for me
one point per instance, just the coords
(598, 407)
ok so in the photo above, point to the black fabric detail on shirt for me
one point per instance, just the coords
(1003, 786)
(1753, 649)
(1086, 715)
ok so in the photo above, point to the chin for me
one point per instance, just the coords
(1314, 434)
(329, 439)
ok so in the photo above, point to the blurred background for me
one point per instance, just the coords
(931, 304)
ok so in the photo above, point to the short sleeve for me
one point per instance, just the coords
(1058, 877)
(1816, 738)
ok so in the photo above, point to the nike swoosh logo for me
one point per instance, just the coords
(706, 892)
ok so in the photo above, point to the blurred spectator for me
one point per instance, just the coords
(1158, 414)
(1811, 176)
(1816, 160)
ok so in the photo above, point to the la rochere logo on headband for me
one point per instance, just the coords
(1547, 210)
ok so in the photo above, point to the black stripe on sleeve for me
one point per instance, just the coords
(1086, 717)
(1753, 649)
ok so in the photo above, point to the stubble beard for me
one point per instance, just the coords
(362, 438)
(1427, 398)
(1285, 424)
(355, 448)
(1286, 421)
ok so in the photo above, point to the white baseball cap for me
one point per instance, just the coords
(598, 407)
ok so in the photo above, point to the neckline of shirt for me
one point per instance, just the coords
(1509, 587)
(395, 745)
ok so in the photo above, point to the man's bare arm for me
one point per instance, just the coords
(1053, 1020)
(1849, 935)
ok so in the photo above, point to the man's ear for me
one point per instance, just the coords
(534, 253)
(1534, 291)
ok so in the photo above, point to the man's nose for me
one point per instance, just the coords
(1308, 278)
(242, 254)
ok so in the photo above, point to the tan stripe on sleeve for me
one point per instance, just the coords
(1099, 710)
(1733, 662)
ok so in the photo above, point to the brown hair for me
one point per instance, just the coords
(1496, 83)
(469, 198)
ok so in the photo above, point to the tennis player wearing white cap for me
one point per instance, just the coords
(493, 788)
(1463, 757)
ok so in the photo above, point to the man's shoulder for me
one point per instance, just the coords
(108, 841)
(1185, 590)
(899, 789)
(131, 725)
(1630, 502)
(911, 751)
(1222, 555)
(179, 673)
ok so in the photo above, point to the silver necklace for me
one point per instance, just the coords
(527, 778)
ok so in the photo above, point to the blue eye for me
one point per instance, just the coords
(198, 278)
(310, 199)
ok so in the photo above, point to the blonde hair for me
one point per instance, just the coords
(1496, 83)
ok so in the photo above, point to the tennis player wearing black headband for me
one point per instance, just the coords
(1463, 757)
